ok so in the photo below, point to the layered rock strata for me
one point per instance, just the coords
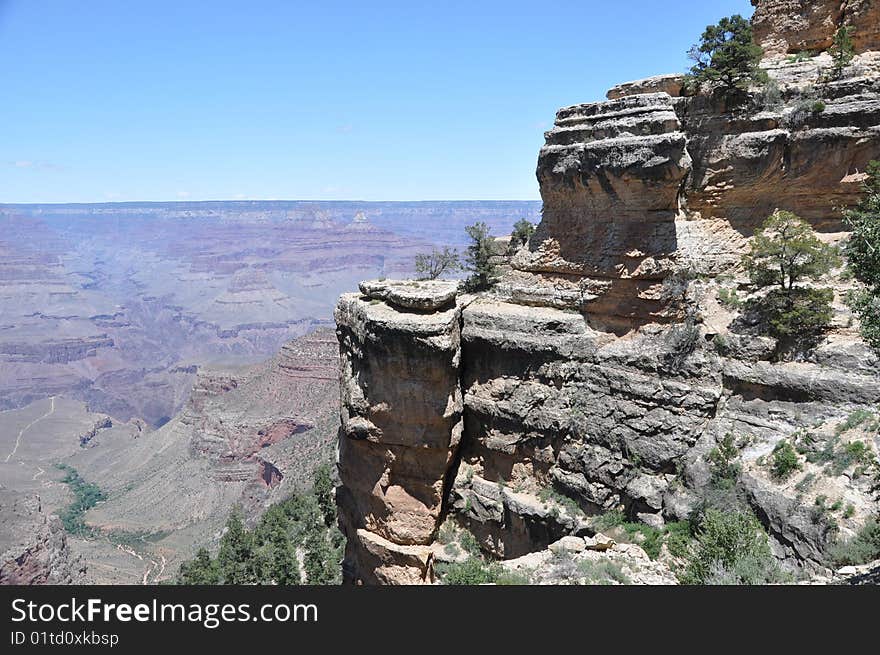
(401, 423)
(575, 384)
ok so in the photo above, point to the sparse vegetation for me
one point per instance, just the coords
(681, 342)
(472, 571)
(722, 462)
(798, 57)
(603, 571)
(729, 298)
(649, 538)
(86, 496)
(432, 265)
(726, 59)
(864, 547)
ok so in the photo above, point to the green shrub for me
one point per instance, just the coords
(769, 97)
(863, 255)
(864, 547)
(730, 548)
(784, 251)
(301, 526)
(602, 571)
(785, 461)
(854, 419)
(522, 232)
(722, 461)
(681, 342)
(796, 315)
(866, 305)
(729, 298)
(472, 571)
(853, 453)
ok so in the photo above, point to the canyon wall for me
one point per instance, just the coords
(522, 413)
(790, 26)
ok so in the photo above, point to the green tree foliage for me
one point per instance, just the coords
(522, 232)
(301, 527)
(722, 461)
(86, 495)
(785, 461)
(201, 570)
(321, 560)
(730, 548)
(432, 265)
(864, 547)
(236, 552)
(478, 258)
(842, 51)
(784, 252)
(325, 493)
(863, 255)
(727, 58)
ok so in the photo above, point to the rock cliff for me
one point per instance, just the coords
(573, 388)
(33, 548)
(783, 26)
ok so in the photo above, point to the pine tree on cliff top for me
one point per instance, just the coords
(727, 58)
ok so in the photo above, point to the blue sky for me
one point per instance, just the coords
(105, 100)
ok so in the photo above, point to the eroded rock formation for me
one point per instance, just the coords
(574, 384)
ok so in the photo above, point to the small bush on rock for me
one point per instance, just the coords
(730, 548)
(472, 571)
(864, 547)
(785, 461)
(522, 232)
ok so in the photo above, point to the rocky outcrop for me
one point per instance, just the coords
(783, 26)
(671, 84)
(576, 384)
(401, 425)
(33, 549)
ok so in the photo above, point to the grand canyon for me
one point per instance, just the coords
(595, 409)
